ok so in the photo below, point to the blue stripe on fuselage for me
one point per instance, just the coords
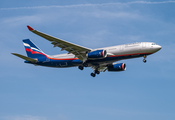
(77, 62)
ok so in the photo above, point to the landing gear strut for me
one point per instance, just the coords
(81, 67)
(144, 60)
(85, 64)
(95, 72)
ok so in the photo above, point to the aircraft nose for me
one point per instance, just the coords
(159, 47)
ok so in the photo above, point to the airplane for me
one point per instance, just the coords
(100, 59)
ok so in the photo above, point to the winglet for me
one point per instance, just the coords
(30, 28)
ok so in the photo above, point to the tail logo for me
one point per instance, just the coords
(32, 50)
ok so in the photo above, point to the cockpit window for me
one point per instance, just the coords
(153, 44)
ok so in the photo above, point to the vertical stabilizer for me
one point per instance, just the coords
(32, 50)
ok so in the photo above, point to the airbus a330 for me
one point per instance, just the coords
(99, 60)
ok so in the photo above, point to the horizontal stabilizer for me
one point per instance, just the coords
(25, 58)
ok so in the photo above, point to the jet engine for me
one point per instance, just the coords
(98, 54)
(117, 67)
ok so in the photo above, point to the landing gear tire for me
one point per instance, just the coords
(85, 64)
(97, 72)
(144, 58)
(93, 74)
(81, 67)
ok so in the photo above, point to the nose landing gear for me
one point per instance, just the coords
(144, 60)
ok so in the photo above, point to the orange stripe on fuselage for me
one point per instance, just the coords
(62, 58)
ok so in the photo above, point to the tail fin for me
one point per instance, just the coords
(32, 50)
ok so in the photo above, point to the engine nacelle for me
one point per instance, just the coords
(98, 54)
(117, 67)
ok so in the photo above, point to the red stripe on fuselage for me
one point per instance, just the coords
(129, 54)
(63, 58)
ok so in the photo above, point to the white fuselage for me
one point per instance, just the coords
(132, 49)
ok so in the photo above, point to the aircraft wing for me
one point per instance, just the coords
(77, 50)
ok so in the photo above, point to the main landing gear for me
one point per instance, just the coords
(95, 72)
(85, 64)
(144, 60)
(81, 67)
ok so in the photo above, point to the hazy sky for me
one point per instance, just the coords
(142, 92)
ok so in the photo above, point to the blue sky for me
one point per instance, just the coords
(143, 91)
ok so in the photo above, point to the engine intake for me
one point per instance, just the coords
(98, 54)
(117, 67)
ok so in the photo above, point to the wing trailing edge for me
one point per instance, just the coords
(77, 50)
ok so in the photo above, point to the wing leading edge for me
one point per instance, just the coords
(77, 50)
